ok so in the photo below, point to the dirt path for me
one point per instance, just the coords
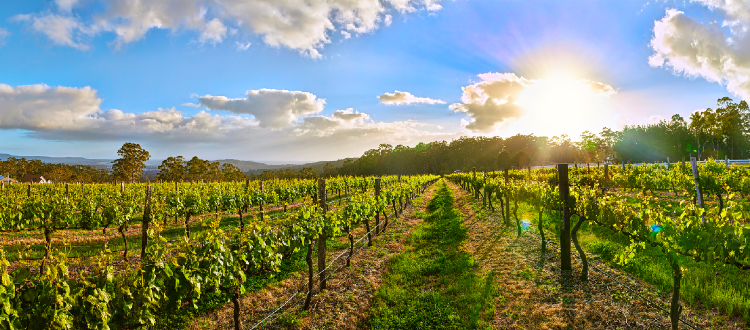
(346, 302)
(533, 295)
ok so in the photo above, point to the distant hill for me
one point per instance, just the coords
(152, 166)
(63, 160)
(317, 166)
(247, 165)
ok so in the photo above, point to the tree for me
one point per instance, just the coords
(503, 160)
(521, 159)
(329, 170)
(232, 173)
(172, 169)
(196, 169)
(130, 165)
(308, 173)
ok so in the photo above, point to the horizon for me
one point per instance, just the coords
(221, 80)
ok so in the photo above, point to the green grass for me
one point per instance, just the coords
(724, 287)
(433, 284)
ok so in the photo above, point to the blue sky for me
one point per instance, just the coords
(561, 68)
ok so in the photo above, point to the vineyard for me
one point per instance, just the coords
(126, 256)
(687, 217)
(65, 285)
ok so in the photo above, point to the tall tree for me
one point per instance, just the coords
(130, 165)
(172, 169)
(232, 173)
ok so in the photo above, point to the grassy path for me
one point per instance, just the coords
(434, 283)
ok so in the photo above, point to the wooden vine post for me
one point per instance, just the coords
(323, 237)
(377, 213)
(244, 206)
(67, 191)
(261, 203)
(699, 198)
(529, 173)
(28, 191)
(308, 259)
(562, 170)
(474, 181)
(606, 173)
(145, 221)
(507, 199)
(484, 188)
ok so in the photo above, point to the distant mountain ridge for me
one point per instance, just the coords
(63, 160)
(247, 166)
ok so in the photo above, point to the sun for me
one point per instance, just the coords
(562, 103)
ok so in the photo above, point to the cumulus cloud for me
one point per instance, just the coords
(491, 101)
(302, 25)
(707, 50)
(3, 35)
(68, 113)
(405, 98)
(74, 114)
(272, 108)
(599, 87)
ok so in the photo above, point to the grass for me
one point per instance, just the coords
(433, 284)
(724, 287)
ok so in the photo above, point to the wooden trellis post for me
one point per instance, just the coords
(145, 221)
(699, 198)
(377, 213)
(323, 237)
(562, 170)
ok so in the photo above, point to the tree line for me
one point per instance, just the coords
(711, 133)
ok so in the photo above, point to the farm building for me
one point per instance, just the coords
(34, 178)
(6, 179)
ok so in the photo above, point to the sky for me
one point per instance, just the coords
(311, 80)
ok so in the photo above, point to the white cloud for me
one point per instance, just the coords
(188, 104)
(242, 46)
(68, 113)
(61, 30)
(66, 5)
(214, 32)
(4, 34)
(272, 108)
(705, 50)
(405, 98)
(491, 101)
(74, 114)
(599, 88)
(302, 25)
(501, 97)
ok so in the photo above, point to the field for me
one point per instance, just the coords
(468, 251)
